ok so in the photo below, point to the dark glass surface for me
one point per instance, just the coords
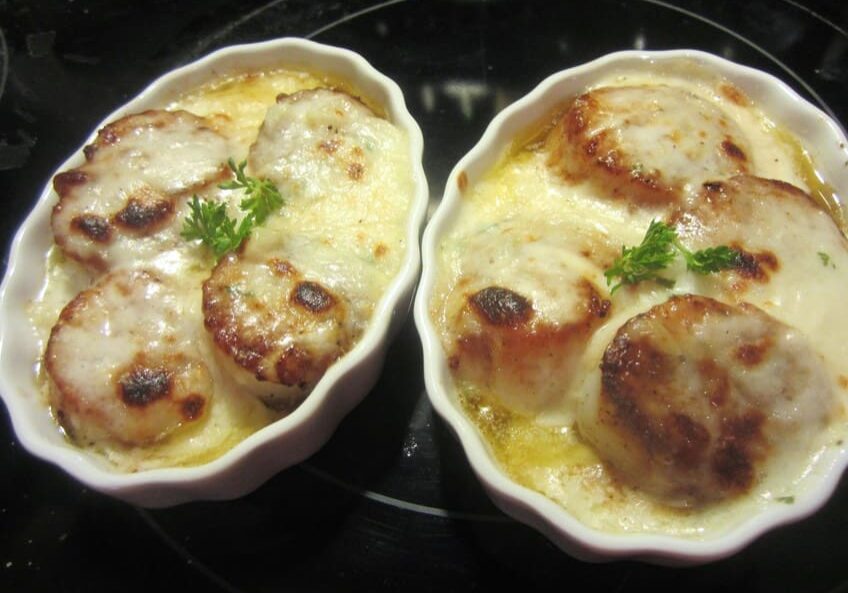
(390, 503)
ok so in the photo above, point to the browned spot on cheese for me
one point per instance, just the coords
(144, 212)
(843, 381)
(753, 353)
(280, 267)
(733, 151)
(597, 306)
(715, 381)
(713, 187)
(756, 266)
(192, 407)
(462, 181)
(739, 447)
(734, 94)
(93, 226)
(501, 306)
(63, 183)
(141, 385)
(688, 440)
(312, 297)
(329, 146)
(380, 250)
(355, 171)
(293, 366)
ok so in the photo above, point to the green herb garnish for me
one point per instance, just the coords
(785, 499)
(825, 259)
(208, 220)
(710, 260)
(656, 252)
(261, 195)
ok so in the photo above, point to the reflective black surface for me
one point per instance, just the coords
(390, 503)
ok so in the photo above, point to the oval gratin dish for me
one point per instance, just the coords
(286, 440)
(580, 532)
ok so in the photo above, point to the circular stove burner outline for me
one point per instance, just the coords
(353, 15)
(754, 46)
(4, 62)
(399, 503)
(843, 32)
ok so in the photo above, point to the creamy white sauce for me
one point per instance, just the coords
(544, 451)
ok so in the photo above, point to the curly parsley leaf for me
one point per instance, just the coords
(710, 260)
(656, 252)
(826, 260)
(643, 262)
(261, 196)
(208, 221)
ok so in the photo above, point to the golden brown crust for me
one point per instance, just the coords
(263, 333)
(644, 145)
(689, 418)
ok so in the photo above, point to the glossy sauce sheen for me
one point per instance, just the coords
(338, 250)
(542, 226)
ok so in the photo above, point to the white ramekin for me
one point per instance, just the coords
(825, 142)
(281, 444)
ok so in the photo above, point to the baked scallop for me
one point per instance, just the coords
(699, 399)
(319, 141)
(123, 362)
(520, 315)
(649, 146)
(276, 329)
(776, 227)
(127, 201)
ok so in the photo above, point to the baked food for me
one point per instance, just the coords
(167, 353)
(553, 214)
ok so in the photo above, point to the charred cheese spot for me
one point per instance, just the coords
(501, 306)
(644, 144)
(733, 151)
(192, 407)
(142, 385)
(756, 266)
(313, 297)
(145, 211)
(94, 227)
(697, 398)
(64, 183)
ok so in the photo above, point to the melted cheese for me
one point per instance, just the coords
(353, 247)
(532, 213)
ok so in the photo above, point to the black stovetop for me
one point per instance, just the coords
(390, 503)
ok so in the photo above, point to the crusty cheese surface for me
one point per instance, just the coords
(535, 228)
(163, 384)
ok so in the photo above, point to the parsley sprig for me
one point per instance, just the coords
(208, 221)
(261, 196)
(657, 250)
